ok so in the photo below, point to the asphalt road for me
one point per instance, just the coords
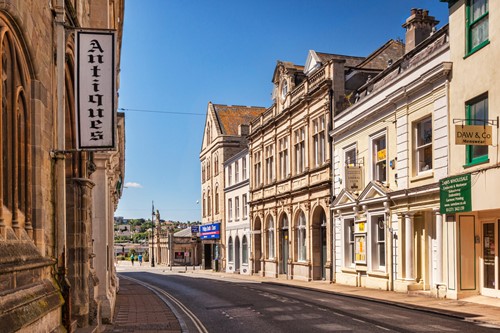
(239, 306)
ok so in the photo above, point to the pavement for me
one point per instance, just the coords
(134, 302)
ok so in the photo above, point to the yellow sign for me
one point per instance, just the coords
(381, 154)
(474, 135)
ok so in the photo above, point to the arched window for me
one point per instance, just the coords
(244, 250)
(16, 136)
(208, 170)
(209, 205)
(270, 238)
(301, 237)
(216, 203)
(230, 249)
(204, 211)
(216, 165)
(209, 135)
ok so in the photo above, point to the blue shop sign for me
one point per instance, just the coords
(210, 231)
(195, 229)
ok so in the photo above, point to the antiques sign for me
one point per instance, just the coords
(455, 194)
(474, 135)
(354, 178)
(95, 90)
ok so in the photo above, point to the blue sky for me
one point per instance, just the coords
(178, 55)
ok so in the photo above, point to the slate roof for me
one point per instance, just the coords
(350, 61)
(231, 116)
(183, 233)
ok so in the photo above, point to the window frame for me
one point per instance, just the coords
(245, 206)
(236, 172)
(378, 262)
(299, 149)
(421, 149)
(469, 149)
(469, 25)
(319, 141)
(284, 166)
(230, 249)
(244, 250)
(270, 238)
(269, 151)
(349, 245)
(230, 209)
(374, 156)
(301, 237)
(237, 208)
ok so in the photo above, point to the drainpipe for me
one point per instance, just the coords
(333, 276)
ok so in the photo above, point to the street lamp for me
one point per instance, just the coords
(153, 236)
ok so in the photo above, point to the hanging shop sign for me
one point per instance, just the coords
(210, 231)
(474, 135)
(455, 194)
(95, 90)
(354, 178)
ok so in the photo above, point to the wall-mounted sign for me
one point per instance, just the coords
(95, 90)
(210, 231)
(381, 155)
(455, 194)
(354, 178)
(195, 229)
(474, 135)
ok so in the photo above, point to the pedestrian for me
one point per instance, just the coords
(132, 259)
(140, 259)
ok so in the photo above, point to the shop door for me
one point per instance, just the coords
(490, 270)
(323, 252)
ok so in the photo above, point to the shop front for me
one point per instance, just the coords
(210, 239)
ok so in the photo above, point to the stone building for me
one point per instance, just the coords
(47, 279)
(291, 162)
(472, 228)
(225, 134)
(391, 150)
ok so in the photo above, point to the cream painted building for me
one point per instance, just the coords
(291, 162)
(390, 151)
(237, 221)
(473, 230)
(225, 134)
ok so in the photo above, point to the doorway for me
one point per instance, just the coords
(207, 251)
(490, 266)
(237, 254)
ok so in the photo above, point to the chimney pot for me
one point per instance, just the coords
(418, 27)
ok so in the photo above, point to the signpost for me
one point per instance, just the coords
(455, 194)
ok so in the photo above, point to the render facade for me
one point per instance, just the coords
(49, 281)
(473, 235)
(391, 150)
(237, 222)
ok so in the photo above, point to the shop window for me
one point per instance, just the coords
(378, 243)
(230, 249)
(301, 238)
(477, 114)
(349, 242)
(244, 250)
(270, 238)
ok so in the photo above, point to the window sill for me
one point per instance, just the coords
(349, 270)
(477, 48)
(379, 274)
(477, 162)
(301, 263)
(423, 175)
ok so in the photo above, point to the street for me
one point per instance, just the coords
(232, 305)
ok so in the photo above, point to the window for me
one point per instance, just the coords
(229, 209)
(319, 140)
(350, 157)
(209, 136)
(244, 250)
(477, 114)
(257, 169)
(229, 175)
(208, 170)
(423, 143)
(477, 24)
(378, 242)
(300, 150)
(349, 242)
(216, 203)
(270, 238)
(269, 164)
(216, 165)
(237, 208)
(244, 168)
(379, 157)
(284, 168)
(301, 238)
(209, 203)
(204, 207)
(230, 249)
(236, 172)
(245, 208)
(284, 89)
(203, 173)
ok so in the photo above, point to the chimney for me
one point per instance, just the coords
(418, 27)
(243, 129)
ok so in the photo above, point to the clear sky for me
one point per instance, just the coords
(178, 55)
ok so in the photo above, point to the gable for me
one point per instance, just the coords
(313, 61)
(345, 198)
(374, 190)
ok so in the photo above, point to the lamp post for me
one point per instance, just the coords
(153, 235)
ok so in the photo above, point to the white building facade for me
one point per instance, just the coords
(237, 222)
